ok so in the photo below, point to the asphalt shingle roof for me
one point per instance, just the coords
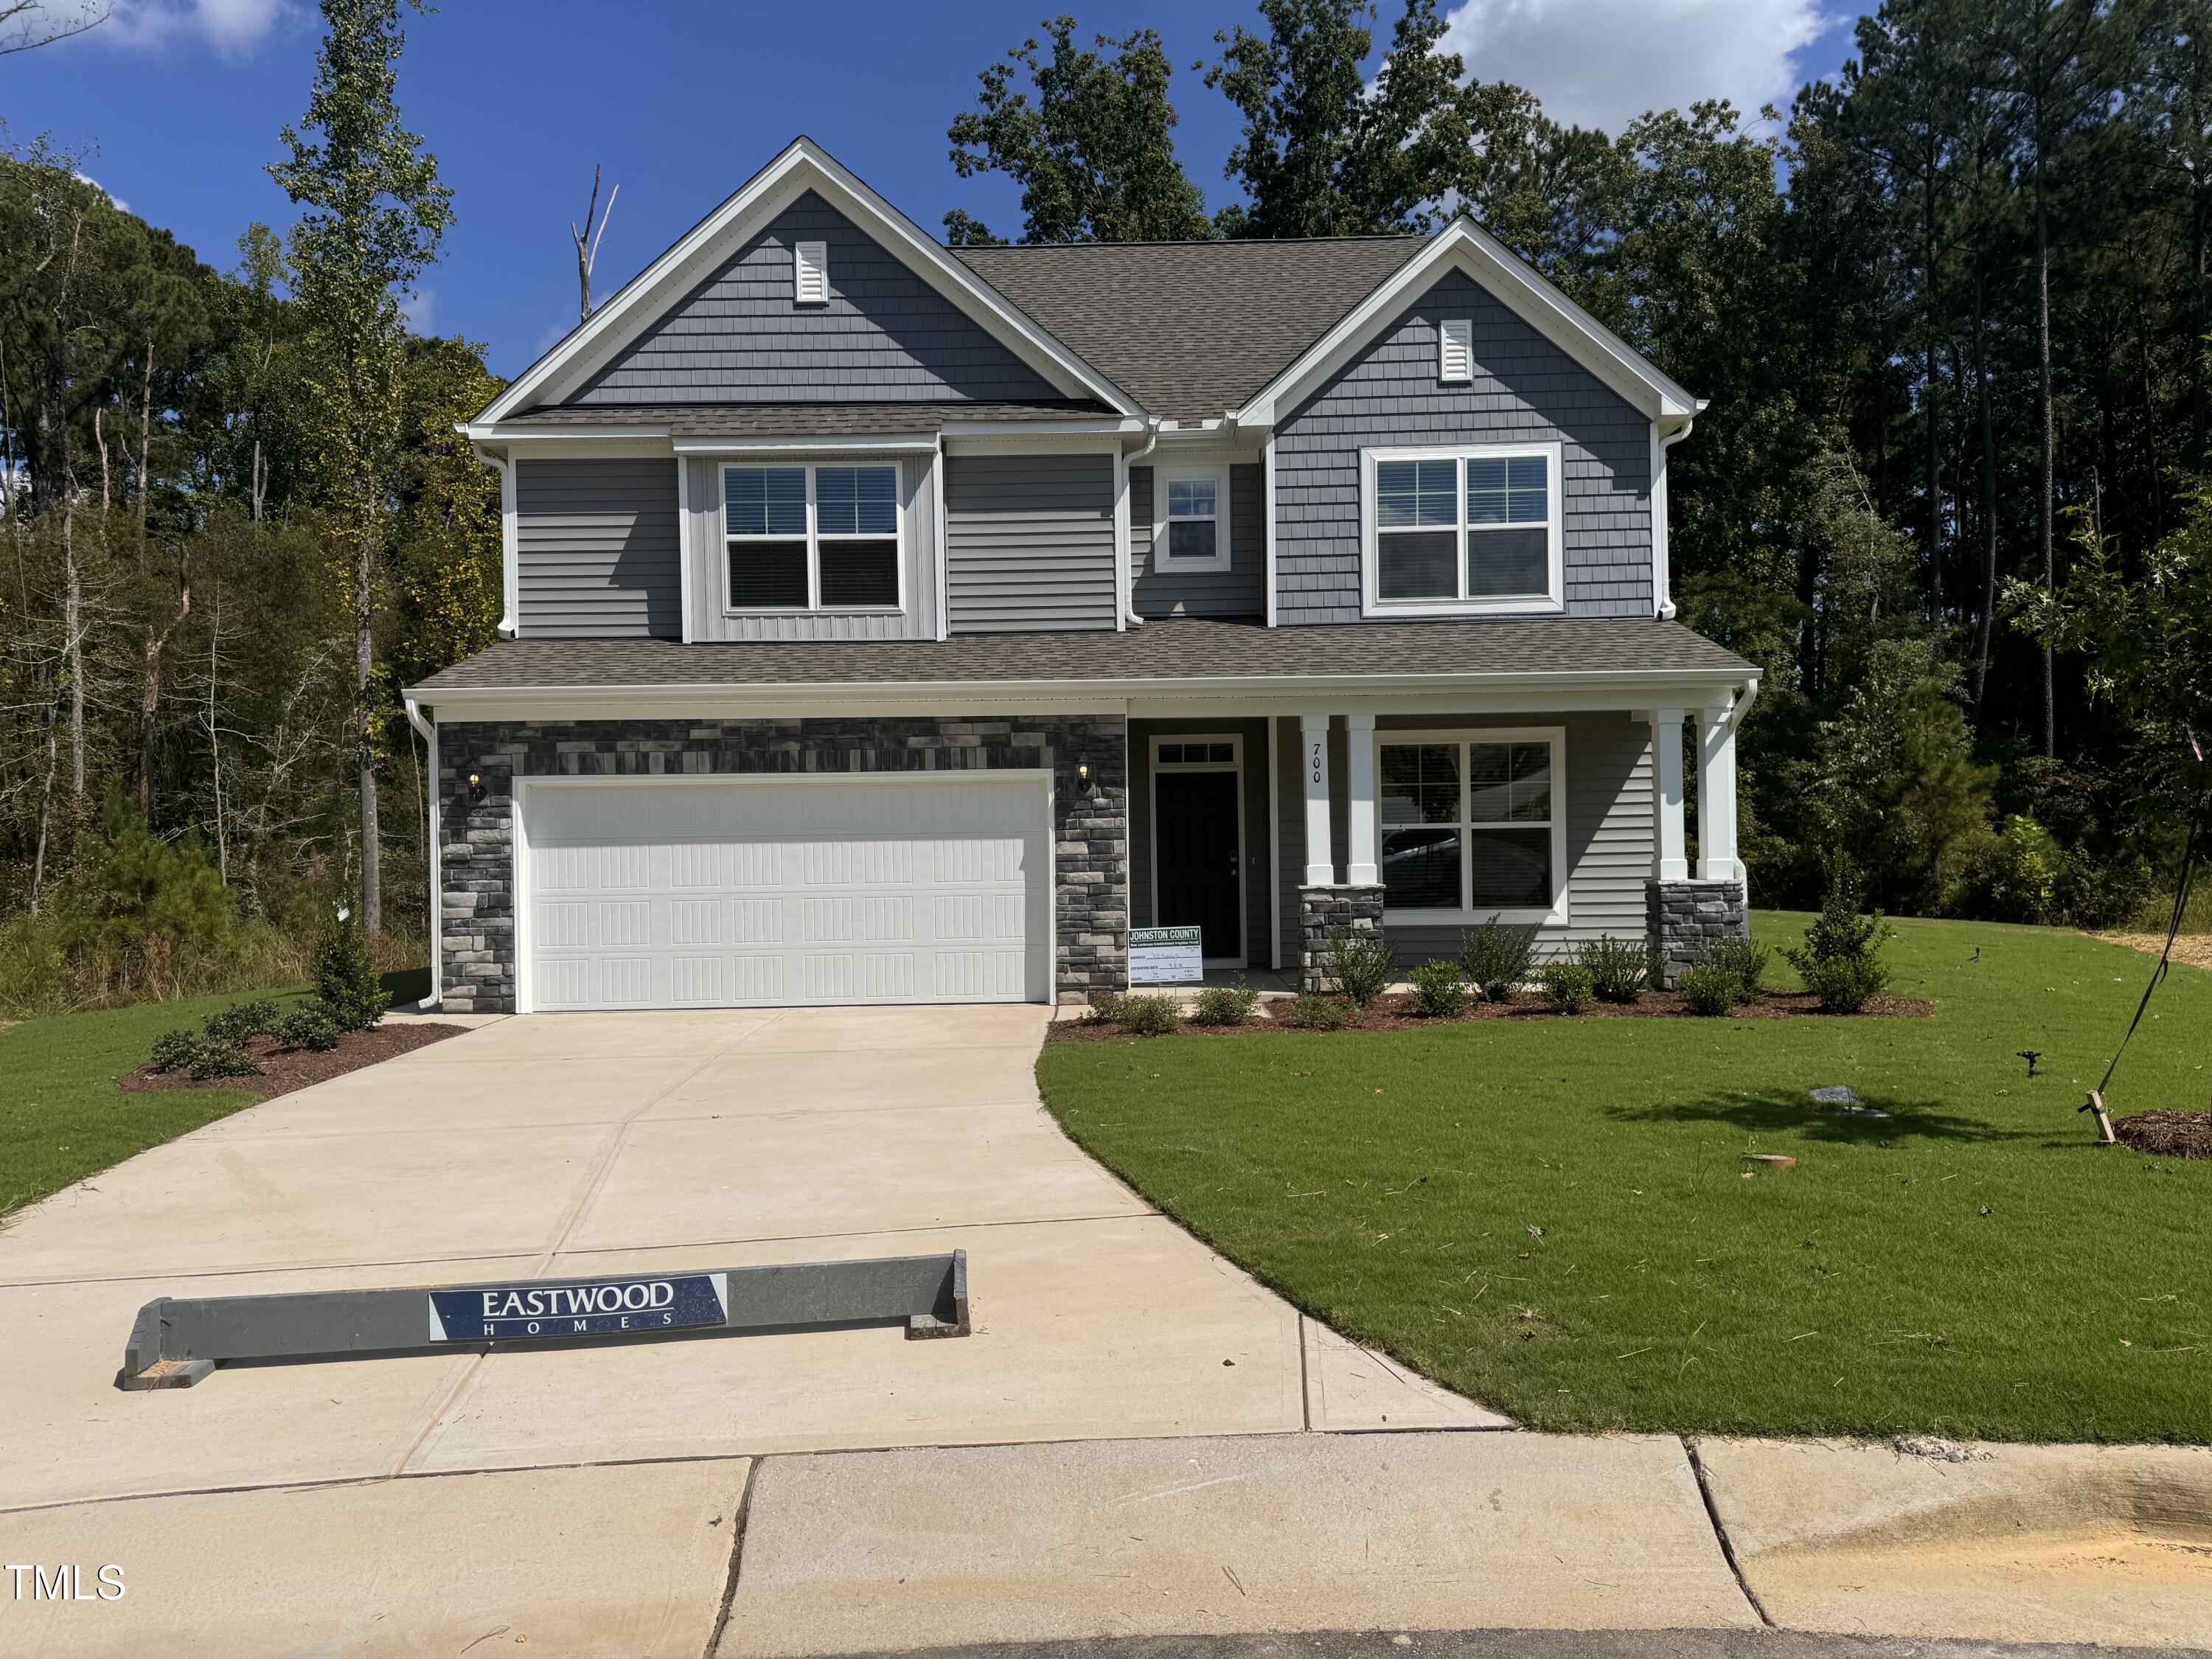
(799, 420)
(1167, 649)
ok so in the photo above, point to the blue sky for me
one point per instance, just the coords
(178, 104)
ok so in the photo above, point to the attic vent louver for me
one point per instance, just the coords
(1455, 349)
(810, 274)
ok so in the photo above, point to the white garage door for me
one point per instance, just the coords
(775, 892)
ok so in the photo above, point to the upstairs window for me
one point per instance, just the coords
(1465, 532)
(811, 537)
(1190, 531)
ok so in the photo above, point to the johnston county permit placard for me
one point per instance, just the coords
(608, 1307)
(1165, 956)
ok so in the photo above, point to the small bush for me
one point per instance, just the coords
(1310, 1012)
(1495, 958)
(1618, 967)
(1224, 1004)
(173, 1050)
(1843, 985)
(1440, 990)
(1105, 1008)
(241, 1020)
(211, 1059)
(1569, 987)
(1838, 960)
(1709, 988)
(1740, 960)
(309, 1026)
(1362, 965)
(346, 982)
(1149, 1017)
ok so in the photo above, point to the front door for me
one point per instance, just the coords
(1194, 843)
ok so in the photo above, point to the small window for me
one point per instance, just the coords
(1455, 349)
(811, 538)
(1191, 532)
(810, 269)
(1214, 752)
(1469, 825)
(1469, 532)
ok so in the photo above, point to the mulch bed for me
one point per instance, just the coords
(1395, 1013)
(2166, 1133)
(283, 1070)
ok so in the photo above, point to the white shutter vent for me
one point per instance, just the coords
(1455, 349)
(810, 274)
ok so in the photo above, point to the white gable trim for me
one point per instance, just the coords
(803, 166)
(1465, 246)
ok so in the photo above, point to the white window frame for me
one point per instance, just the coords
(1468, 914)
(1551, 601)
(1234, 764)
(814, 539)
(1456, 350)
(810, 259)
(1162, 563)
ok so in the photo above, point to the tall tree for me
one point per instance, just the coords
(1094, 154)
(374, 215)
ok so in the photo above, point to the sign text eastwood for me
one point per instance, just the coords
(604, 1308)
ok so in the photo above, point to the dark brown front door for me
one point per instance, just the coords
(1194, 839)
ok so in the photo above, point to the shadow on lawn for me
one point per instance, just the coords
(1908, 1120)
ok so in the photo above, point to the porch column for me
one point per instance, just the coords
(1361, 867)
(1320, 858)
(1716, 854)
(1671, 858)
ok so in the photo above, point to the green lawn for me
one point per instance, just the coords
(62, 1118)
(1972, 1265)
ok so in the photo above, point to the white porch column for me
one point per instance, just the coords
(1361, 869)
(1313, 765)
(1716, 854)
(1670, 857)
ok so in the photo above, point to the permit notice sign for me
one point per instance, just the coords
(602, 1307)
(1165, 956)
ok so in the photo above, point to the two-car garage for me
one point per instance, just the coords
(779, 889)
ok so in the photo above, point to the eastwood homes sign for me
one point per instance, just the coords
(605, 1306)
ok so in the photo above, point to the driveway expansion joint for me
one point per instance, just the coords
(1720, 1531)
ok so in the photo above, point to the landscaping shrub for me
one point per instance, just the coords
(1742, 959)
(1838, 961)
(1224, 1004)
(1362, 965)
(211, 1059)
(1496, 958)
(1569, 987)
(241, 1020)
(346, 982)
(1149, 1017)
(1310, 1011)
(1618, 967)
(1708, 988)
(1440, 989)
(309, 1026)
(173, 1050)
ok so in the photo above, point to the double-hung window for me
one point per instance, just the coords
(811, 537)
(1464, 531)
(1190, 523)
(1471, 824)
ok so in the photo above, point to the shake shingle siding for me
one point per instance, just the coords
(1241, 591)
(885, 336)
(1028, 543)
(1524, 388)
(596, 549)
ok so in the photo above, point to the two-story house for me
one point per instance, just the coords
(887, 622)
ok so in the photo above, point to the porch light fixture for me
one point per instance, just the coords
(476, 791)
(1083, 773)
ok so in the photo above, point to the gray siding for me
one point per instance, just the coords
(1028, 543)
(1256, 852)
(885, 336)
(1609, 852)
(709, 587)
(1241, 591)
(1524, 387)
(596, 549)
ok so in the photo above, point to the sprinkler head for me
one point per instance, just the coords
(2031, 1055)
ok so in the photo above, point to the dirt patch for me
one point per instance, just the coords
(283, 1070)
(2193, 949)
(1396, 1013)
(2166, 1133)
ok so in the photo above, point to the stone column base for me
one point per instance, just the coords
(1686, 916)
(1324, 912)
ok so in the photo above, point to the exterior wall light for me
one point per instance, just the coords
(1083, 774)
(477, 790)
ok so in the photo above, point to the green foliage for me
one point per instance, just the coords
(308, 1026)
(1569, 987)
(1150, 1016)
(1618, 967)
(1840, 961)
(1224, 1004)
(242, 1020)
(1309, 1011)
(2012, 876)
(1362, 966)
(1103, 1009)
(173, 1049)
(1743, 960)
(1709, 988)
(346, 979)
(1440, 989)
(213, 1058)
(136, 891)
(1496, 957)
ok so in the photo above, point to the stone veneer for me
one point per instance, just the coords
(1090, 835)
(1324, 912)
(1684, 917)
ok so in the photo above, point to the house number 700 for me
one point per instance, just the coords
(1319, 755)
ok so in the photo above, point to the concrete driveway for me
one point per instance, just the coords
(596, 1490)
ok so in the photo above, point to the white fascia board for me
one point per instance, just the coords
(1464, 246)
(803, 166)
(825, 445)
(491, 432)
(986, 440)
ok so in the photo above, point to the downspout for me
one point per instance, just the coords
(1662, 532)
(509, 554)
(1129, 576)
(429, 732)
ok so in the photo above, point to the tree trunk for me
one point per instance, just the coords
(2044, 504)
(149, 701)
(1934, 383)
(1988, 494)
(215, 739)
(364, 664)
(73, 640)
(46, 804)
(145, 450)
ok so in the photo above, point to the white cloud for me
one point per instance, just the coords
(1602, 62)
(121, 206)
(416, 309)
(234, 29)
